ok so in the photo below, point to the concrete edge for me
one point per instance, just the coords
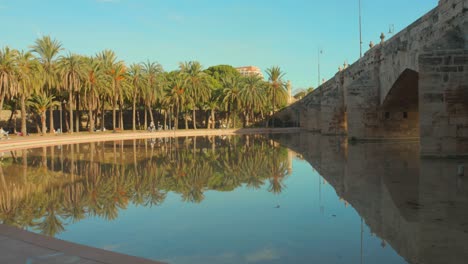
(85, 252)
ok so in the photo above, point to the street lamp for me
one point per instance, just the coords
(360, 30)
(319, 51)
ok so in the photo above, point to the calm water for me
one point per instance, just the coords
(296, 198)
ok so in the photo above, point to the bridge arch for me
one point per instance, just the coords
(400, 107)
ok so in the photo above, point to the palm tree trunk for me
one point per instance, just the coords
(228, 114)
(246, 118)
(165, 119)
(121, 116)
(77, 113)
(2, 100)
(90, 118)
(51, 120)
(146, 117)
(186, 120)
(43, 122)
(70, 102)
(134, 114)
(114, 114)
(194, 118)
(151, 113)
(24, 129)
(103, 115)
(213, 121)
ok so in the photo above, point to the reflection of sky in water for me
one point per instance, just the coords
(242, 226)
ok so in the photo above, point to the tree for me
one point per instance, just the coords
(40, 103)
(153, 88)
(231, 100)
(7, 74)
(277, 88)
(176, 94)
(48, 49)
(219, 72)
(252, 96)
(71, 71)
(115, 72)
(94, 86)
(136, 84)
(196, 84)
(28, 79)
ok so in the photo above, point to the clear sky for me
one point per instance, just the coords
(264, 33)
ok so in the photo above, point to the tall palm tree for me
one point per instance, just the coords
(48, 49)
(252, 96)
(153, 88)
(94, 82)
(197, 85)
(7, 74)
(232, 101)
(115, 72)
(176, 94)
(71, 71)
(28, 78)
(277, 87)
(136, 80)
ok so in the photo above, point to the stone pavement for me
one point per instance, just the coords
(22, 247)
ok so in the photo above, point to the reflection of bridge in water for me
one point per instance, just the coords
(419, 206)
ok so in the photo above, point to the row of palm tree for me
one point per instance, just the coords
(41, 78)
(47, 188)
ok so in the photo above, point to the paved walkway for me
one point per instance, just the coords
(19, 142)
(22, 247)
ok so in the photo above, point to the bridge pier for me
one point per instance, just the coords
(443, 92)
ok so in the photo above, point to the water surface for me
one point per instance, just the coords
(297, 198)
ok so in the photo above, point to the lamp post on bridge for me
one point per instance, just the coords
(319, 51)
(360, 31)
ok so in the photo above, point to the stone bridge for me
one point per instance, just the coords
(414, 85)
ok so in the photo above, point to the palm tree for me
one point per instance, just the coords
(71, 71)
(40, 103)
(252, 96)
(231, 100)
(94, 82)
(48, 49)
(197, 85)
(277, 88)
(176, 94)
(153, 88)
(7, 74)
(136, 80)
(28, 71)
(115, 72)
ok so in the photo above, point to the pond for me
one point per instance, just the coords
(297, 198)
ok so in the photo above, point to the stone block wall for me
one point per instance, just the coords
(332, 108)
(443, 96)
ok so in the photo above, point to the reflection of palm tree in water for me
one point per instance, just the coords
(103, 184)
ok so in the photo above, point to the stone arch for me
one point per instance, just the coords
(400, 107)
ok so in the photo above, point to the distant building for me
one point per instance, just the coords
(250, 70)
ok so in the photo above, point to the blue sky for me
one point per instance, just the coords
(264, 33)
